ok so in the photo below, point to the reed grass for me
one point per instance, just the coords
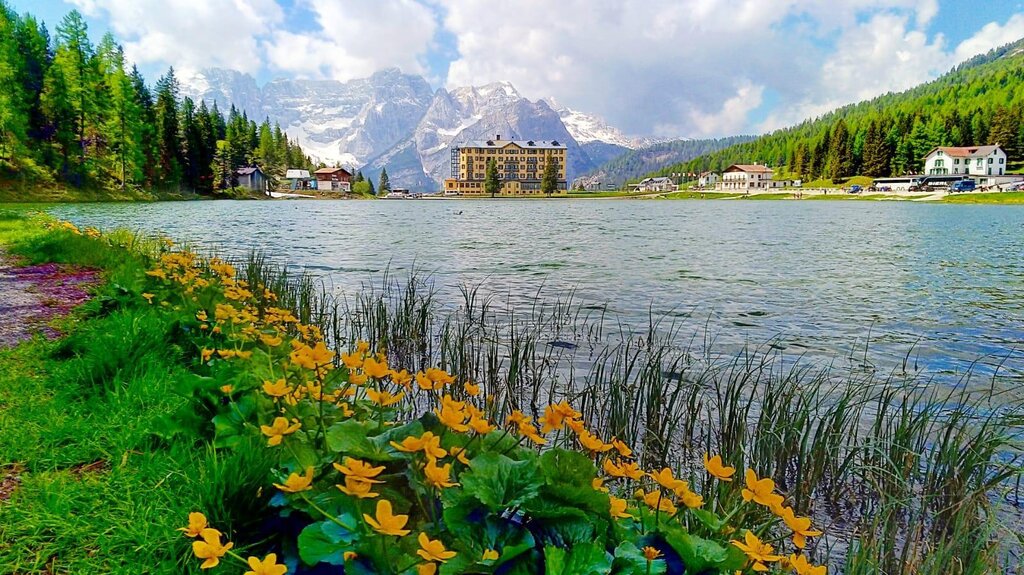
(908, 475)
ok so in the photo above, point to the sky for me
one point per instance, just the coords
(668, 68)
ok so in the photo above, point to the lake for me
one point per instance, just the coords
(826, 280)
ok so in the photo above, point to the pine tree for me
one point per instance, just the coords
(13, 100)
(549, 179)
(876, 153)
(168, 131)
(123, 127)
(373, 192)
(72, 86)
(492, 185)
(1005, 129)
(385, 184)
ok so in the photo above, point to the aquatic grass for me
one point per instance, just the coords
(908, 468)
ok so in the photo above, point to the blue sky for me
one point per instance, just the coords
(651, 67)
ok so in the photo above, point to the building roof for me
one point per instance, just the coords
(296, 174)
(331, 171)
(525, 144)
(749, 168)
(657, 181)
(965, 151)
(248, 171)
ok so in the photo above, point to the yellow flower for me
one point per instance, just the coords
(552, 420)
(592, 443)
(800, 564)
(612, 469)
(459, 453)
(690, 499)
(656, 500)
(349, 555)
(271, 340)
(472, 390)
(269, 566)
(440, 377)
(196, 524)
(801, 527)
(666, 479)
(622, 448)
(358, 468)
(226, 389)
(384, 398)
(358, 487)
(718, 469)
(358, 379)
(530, 432)
(428, 443)
(207, 354)
(157, 273)
(452, 418)
(279, 388)
(758, 552)
(438, 476)
(761, 491)
(402, 378)
(278, 430)
(210, 548)
(296, 483)
(517, 418)
(362, 346)
(426, 569)
(385, 522)
(352, 360)
(618, 508)
(226, 353)
(376, 369)
(424, 382)
(632, 470)
(201, 315)
(598, 484)
(490, 555)
(149, 297)
(433, 550)
(650, 553)
(480, 425)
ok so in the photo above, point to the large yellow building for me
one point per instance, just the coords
(520, 167)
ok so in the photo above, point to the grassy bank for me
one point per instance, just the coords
(905, 477)
(985, 198)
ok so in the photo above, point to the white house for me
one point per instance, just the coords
(707, 179)
(970, 161)
(745, 177)
(656, 185)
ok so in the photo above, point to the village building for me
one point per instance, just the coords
(333, 179)
(520, 166)
(967, 160)
(299, 179)
(707, 179)
(656, 185)
(251, 178)
(746, 177)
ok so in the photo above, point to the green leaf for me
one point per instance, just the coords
(708, 519)
(499, 482)
(699, 554)
(561, 466)
(580, 559)
(326, 542)
(630, 560)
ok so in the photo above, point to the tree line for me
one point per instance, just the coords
(72, 112)
(980, 102)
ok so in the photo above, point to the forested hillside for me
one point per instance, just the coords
(73, 113)
(636, 163)
(979, 102)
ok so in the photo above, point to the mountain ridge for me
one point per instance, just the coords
(396, 120)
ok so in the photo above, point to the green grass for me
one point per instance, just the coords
(699, 196)
(606, 194)
(985, 198)
(863, 181)
(89, 425)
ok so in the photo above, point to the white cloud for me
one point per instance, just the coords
(992, 35)
(732, 117)
(189, 34)
(355, 39)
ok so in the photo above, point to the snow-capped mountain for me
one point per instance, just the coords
(397, 121)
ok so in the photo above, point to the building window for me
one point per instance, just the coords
(990, 160)
(1002, 161)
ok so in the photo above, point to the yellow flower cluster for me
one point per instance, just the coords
(208, 547)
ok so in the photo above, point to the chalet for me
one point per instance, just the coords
(251, 178)
(966, 160)
(707, 179)
(337, 179)
(299, 179)
(746, 177)
(656, 185)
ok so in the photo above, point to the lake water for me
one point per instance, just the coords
(943, 283)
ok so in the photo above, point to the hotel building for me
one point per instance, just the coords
(520, 167)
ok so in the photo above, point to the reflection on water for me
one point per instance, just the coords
(944, 284)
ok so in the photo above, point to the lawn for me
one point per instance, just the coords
(985, 198)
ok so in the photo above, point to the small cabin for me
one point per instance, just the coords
(251, 178)
(333, 179)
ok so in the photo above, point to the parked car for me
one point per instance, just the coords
(854, 189)
(963, 186)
